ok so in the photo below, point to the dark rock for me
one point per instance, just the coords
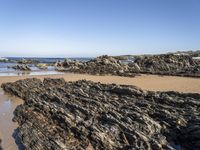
(22, 67)
(56, 82)
(87, 115)
(167, 64)
(176, 64)
(191, 134)
(102, 65)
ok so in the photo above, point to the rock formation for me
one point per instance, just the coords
(4, 59)
(86, 115)
(167, 64)
(102, 65)
(42, 66)
(178, 64)
(21, 67)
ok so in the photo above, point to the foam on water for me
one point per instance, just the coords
(31, 73)
(6, 67)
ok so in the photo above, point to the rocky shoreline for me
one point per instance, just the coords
(87, 115)
(175, 64)
(168, 64)
(102, 65)
(21, 67)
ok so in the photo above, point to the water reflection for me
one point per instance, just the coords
(7, 126)
(22, 73)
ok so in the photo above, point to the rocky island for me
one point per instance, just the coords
(88, 115)
(21, 67)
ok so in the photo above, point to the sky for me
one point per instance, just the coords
(85, 28)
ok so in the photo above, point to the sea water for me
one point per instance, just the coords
(7, 70)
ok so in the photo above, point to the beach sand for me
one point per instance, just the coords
(146, 82)
(7, 106)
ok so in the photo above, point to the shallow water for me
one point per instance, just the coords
(7, 126)
(31, 73)
(7, 70)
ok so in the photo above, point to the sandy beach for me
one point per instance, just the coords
(146, 82)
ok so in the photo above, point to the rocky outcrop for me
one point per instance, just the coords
(176, 64)
(167, 64)
(87, 115)
(4, 59)
(42, 66)
(21, 67)
(102, 65)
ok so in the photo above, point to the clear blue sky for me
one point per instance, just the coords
(70, 28)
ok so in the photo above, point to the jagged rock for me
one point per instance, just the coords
(42, 66)
(167, 64)
(101, 66)
(179, 64)
(87, 115)
(21, 67)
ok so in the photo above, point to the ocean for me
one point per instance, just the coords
(6, 67)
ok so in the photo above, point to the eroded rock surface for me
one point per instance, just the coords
(22, 67)
(176, 64)
(87, 115)
(42, 66)
(167, 64)
(101, 65)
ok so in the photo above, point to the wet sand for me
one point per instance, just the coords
(7, 126)
(146, 82)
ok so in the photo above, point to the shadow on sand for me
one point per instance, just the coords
(0, 146)
(17, 140)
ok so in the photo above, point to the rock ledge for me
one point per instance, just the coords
(87, 115)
